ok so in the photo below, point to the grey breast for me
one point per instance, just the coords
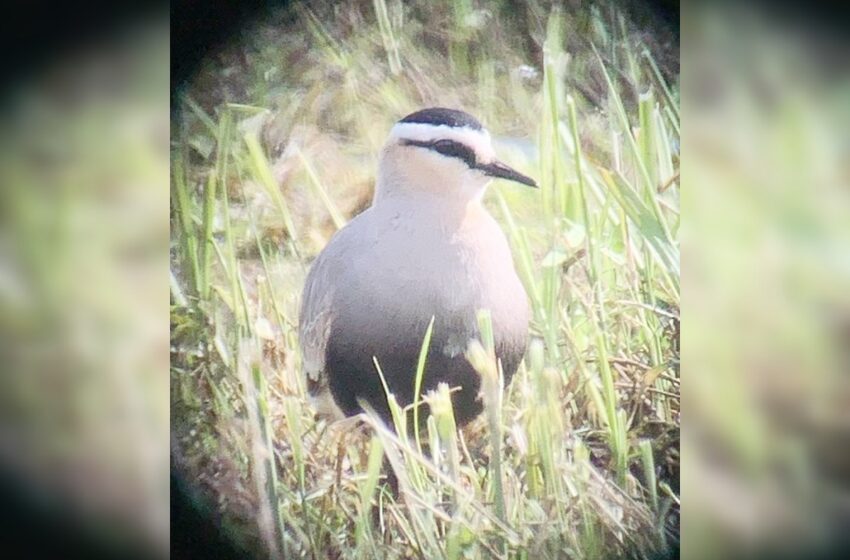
(374, 289)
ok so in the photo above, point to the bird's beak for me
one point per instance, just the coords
(502, 171)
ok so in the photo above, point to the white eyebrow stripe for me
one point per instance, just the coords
(477, 140)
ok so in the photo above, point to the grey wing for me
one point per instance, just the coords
(330, 272)
(314, 325)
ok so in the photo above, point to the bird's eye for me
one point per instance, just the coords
(455, 149)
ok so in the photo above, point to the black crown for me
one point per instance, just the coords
(438, 116)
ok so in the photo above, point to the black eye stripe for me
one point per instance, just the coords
(447, 148)
(455, 149)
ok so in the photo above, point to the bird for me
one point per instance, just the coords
(426, 249)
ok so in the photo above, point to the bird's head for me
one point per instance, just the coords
(441, 151)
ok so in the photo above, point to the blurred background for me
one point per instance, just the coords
(766, 265)
(83, 280)
(83, 286)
